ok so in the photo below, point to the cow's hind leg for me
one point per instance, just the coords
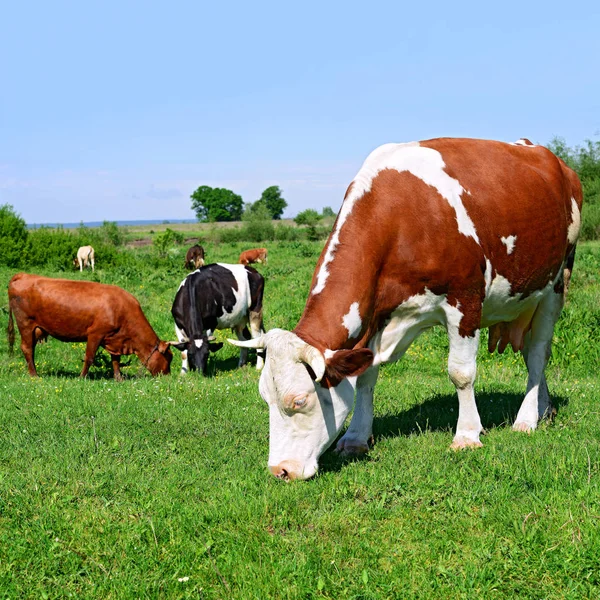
(360, 432)
(536, 352)
(28, 342)
(462, 368)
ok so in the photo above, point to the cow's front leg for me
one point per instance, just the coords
(93, 343)
(256, 330)
(359, 436)
(116, 360)
(182, 337)
(239, 331)
(462, 367)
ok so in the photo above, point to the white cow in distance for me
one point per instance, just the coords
(85, 257)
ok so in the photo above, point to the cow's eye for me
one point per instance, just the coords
(300, 402)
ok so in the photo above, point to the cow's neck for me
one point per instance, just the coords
(339, 311)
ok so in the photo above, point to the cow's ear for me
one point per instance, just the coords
(181, 346)
(347, 363)
(163, 346)
(214, 346)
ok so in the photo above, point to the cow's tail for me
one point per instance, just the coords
(10, 331)
(567, 271)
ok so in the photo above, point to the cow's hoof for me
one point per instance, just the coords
(461, 443)
(351, 447)
(524, 427)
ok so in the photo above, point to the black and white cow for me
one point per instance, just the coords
(217, 296)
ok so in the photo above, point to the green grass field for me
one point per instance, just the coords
(158, 487)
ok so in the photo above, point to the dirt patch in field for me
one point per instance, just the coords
(138, 243)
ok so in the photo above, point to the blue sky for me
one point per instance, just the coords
(119, 110)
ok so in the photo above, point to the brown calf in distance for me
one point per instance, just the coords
(256, 255)
(83, 311)
(194, 257)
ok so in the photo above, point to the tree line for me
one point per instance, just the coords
(220, 204)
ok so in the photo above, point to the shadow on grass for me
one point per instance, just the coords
(439, 413)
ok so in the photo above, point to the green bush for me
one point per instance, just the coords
(57, 248)
(164, 241)
(13, 237)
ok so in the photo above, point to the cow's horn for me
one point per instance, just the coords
(312, 357)
(253, 343)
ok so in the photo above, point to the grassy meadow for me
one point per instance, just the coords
(158, 487)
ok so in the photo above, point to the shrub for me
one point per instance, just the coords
(167, 239)
(13, 237)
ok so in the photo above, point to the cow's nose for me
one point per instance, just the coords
(288, 470)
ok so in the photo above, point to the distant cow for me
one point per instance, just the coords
(85, 258)
(194, 257)
(217, 296)
(256, 255)
(83, 311)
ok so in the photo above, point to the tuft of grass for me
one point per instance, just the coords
(158, 487)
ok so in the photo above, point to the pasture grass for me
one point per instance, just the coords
(158, 487)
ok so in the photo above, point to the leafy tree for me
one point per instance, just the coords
(272, 199)
(13, 236)
(308, 217)
(327, 212)
(258, 226)
(216, 204)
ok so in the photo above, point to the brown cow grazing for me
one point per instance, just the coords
(466, 234)
(194, 257)
(256, 255)
(84, 258)
(83, 311)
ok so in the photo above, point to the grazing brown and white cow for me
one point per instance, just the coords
(194, 257)
(461, 233)
(83, 311)
(256, 255)
(84, 258)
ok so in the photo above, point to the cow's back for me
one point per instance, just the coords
(443, 215)
(68, 309)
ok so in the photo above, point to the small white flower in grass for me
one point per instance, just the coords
(183, 579)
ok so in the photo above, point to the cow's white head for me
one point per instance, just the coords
(306, 414)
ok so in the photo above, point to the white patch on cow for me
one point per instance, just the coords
(425, 163)
(488, 275)
(198, 343)
(413, 316)
(329, 353)
(509, 242)
(239, 312)
(522, 142)
(500, 306)
(352, 321)
(573, 231)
